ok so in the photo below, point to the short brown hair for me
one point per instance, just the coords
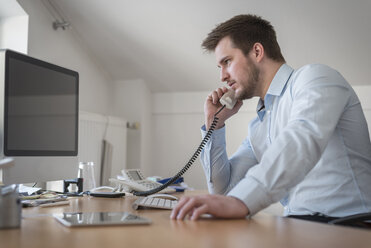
(245, 31)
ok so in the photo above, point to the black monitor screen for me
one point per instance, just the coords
(41, 108)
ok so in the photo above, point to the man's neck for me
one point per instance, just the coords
(269, 70)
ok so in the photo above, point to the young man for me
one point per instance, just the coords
(308, 147)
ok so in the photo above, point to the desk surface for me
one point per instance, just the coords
(40, 229)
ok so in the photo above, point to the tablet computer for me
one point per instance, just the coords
(100, 219)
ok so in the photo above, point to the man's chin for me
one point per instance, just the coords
(240, 96)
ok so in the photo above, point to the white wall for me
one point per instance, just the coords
(13, 26)
(62, 47)
(132, 100)
(177, 118)
(14, 32)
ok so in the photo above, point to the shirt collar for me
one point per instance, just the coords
(260, 109)
(279, 80)
(275, 89)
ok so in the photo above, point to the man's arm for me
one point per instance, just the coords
(223, 173)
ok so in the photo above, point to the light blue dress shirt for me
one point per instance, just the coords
(309, 147)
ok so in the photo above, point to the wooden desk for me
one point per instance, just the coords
(39, 229)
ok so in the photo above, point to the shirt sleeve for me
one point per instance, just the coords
(319, 97)
(223, 173)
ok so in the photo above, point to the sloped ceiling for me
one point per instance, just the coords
(159, 40)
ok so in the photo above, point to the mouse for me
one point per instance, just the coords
(164, 196)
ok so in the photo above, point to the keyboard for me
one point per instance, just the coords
(152, 202)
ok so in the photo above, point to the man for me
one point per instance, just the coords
(308, 147)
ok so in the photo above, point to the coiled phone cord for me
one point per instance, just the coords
(190, 162)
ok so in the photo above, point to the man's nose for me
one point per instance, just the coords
(224, 75)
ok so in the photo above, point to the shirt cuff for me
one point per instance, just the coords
(218, 136)
(252, 194)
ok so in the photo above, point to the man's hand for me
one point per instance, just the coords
(219, 206)
(212, 105)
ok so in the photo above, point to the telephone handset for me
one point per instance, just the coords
(228, 100)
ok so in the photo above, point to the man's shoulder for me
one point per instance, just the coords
(312, 73)
(315, 69)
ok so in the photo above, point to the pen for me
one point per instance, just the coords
(52, 204)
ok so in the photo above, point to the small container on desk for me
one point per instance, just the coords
(10, 207)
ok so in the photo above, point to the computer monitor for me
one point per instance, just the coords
(38, 119)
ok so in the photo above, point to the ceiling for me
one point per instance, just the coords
(158, 41)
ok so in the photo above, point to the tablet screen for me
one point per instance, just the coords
(100, 218)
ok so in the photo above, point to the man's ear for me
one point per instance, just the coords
(258, 51)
